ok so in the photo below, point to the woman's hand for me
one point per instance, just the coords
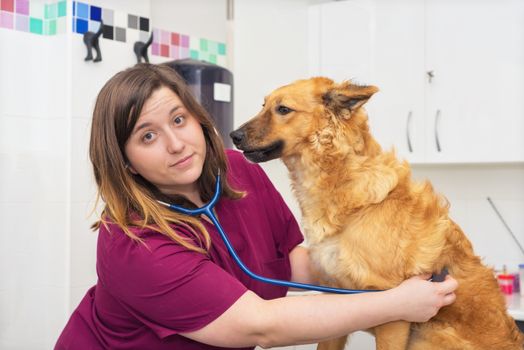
(419, 299)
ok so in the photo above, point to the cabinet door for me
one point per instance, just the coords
(474, 106)
(344, 40)
(396, 112)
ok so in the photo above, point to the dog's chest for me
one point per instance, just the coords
(355, 258)
(332, 264)
(325, 257)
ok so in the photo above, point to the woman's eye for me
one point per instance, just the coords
(148, 137)
(283, 110)
(178, 120)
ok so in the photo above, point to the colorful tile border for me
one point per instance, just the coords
(117, 26)
(33, 16)
(127, 27)
(178, 46)
(45, 17)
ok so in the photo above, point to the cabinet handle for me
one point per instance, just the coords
(437, 123)
(408, 129)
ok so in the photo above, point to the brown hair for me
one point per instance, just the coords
(130, 200)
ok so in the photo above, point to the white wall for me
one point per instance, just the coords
(202, 18)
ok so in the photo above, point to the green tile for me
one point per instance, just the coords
(62, 9)
(50, 11)
(193, 54)
(36, 9)
(35, 25)
(203, 44)
(212, 47)
(221, 48)
(213, 58)
(50, 27)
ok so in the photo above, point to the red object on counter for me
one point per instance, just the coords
(506, 283)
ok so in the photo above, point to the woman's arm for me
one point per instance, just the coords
(300, 266)
(312, 318)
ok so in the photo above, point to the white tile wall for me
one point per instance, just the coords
(29, 318)
(83, 186)
(19, 71)
(83, 245)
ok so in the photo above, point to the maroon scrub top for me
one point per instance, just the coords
(146, 295)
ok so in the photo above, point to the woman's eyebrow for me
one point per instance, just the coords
(174, 109)
(141, 126)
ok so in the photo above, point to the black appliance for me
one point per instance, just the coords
(212, 86)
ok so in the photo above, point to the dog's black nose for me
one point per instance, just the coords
(237, 136)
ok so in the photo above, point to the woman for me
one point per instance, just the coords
(166, 280)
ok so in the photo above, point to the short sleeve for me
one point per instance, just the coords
(169, 288)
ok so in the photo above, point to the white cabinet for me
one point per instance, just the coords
(476, 51)
(470, 110)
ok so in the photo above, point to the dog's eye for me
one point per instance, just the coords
(284, 110)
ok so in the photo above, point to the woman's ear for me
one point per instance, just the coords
(132, 170)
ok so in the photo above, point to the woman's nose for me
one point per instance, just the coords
(174, 143)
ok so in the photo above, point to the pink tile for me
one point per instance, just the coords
(155, 49)
(22, 23)
(174, 52)
(165, 37)
(22, 7)
(156, 36)
(6, 20)
(175, 39)
(164, 50)
(184, 41)
(7, 5)
(184, 52)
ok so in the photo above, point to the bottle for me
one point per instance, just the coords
(506, 283)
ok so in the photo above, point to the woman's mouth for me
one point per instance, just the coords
(182, 163)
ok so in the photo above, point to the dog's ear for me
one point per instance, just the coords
(347, 96)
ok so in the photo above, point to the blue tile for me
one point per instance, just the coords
(74, 8)
(96, 13)
(82, 10)
(81, 26)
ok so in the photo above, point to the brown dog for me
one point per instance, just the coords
(368, 224)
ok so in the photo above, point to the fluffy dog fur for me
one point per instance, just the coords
(369, 225)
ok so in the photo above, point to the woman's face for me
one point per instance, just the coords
(167, 145)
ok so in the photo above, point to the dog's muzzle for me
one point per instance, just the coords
(256, 154)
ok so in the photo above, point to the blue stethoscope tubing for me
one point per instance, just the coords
(208, 211)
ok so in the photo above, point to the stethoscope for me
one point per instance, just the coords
(208, 211)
